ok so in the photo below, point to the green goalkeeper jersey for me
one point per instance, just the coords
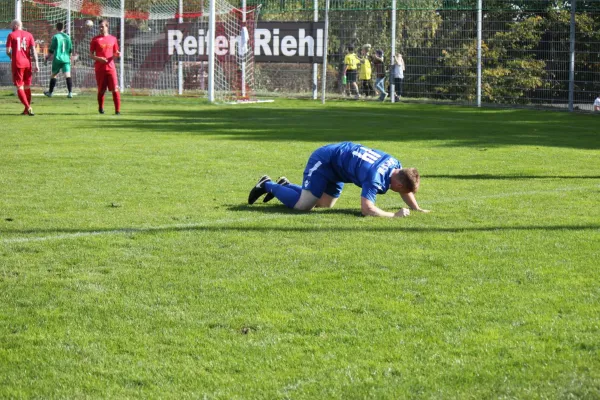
(61, 47)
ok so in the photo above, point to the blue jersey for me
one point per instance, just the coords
(367, 168)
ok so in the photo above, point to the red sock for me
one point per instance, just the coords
(23, 98)
(101, 100)
(28, 94)
(117, 100)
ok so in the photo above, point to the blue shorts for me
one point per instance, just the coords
(318, 175)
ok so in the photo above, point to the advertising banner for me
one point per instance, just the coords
(280, 42)
(3, 36)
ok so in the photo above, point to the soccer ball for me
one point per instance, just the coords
(89, 23)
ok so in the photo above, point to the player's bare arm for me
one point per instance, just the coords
(411, 201)
(50, 54)
(369, 209)
(96, 58)
(35, 58)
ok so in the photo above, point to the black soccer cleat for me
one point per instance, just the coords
(117, 112)
(48, 94)
(259, 189)
(30, 112)
(101, 110)
(283, 181)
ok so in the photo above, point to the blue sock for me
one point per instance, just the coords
(285, 194)
(297, 188)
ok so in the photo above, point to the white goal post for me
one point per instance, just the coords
(149, 65)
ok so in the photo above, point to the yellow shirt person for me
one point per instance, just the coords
(351, 62)
(366, 72)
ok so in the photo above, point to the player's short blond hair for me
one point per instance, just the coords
(409, 178)
(16, 23)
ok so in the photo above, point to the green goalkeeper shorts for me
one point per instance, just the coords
(58, 65)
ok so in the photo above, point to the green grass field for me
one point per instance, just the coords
(132, 267)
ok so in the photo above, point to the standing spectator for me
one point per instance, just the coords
(343, 80)
(397, 75)
(103, 49)
(379, 67)
(365, 73)
(351, 62)
(597, 104)
(20, 47)
(61, 49)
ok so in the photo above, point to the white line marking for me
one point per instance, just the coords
(124, 231)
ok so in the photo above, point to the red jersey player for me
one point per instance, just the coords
(103, 49)
(20, 46)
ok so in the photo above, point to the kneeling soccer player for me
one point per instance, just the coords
(329, 167)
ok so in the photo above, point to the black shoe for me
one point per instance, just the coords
(259, 189)
(283, 181)
(117, 112)
(30, 112)
(48, 94)
(101, 110)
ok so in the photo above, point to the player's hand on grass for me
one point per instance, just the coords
(403, 212)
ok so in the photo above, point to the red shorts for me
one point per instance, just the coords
(106, 80)
(21, 76)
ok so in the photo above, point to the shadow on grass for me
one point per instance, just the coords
(281, 209)
(510, 177)
(306, 121)
(16, 113)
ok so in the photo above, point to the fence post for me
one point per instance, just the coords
(393, 53)
(244, 9)
(180, 63)
(211, 51)
(479, 30)
(325, 51)
(572, 56)
(17, 10)
(122, 58)
(69, 18)
(315, 65)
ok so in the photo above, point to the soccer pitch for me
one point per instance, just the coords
(131, 265)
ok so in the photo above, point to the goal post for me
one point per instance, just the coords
(148, 66)
(231, 64)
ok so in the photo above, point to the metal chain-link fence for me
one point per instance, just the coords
(534, 53)
(526, 49)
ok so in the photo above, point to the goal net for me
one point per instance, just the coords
(153, 61)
